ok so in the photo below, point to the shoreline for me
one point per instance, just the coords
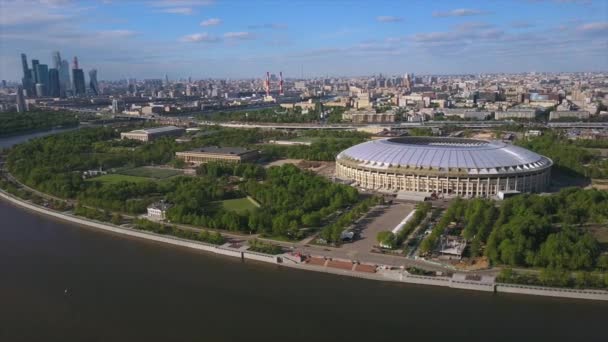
(40, 130)
(458, 281)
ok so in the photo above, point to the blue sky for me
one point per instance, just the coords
(234, 38)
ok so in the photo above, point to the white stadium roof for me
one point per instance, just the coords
(444, 154)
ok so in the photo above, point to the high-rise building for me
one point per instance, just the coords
(54, 87)
(63, 70)
(93, 81)
(35, 63)
(117, 106)
(27, 80)
(24, 64)
(79, 84)
(78, 79)
(42, 77)
(20, 99)
(64, 78)
(56, 60)
(39, 89)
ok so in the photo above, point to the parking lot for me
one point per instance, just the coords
(380, 219)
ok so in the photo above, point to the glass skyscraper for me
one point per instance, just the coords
(42, 77)
(54, 88)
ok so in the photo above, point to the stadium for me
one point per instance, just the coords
(464, 167)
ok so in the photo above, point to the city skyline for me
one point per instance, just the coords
(214, 39)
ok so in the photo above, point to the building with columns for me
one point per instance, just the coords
(463, 167)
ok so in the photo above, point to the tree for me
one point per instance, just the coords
(386, 239)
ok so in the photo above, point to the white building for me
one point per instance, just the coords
(158, 210)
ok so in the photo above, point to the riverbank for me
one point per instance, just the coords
(458, 281)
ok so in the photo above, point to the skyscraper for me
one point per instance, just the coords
(27, 81)
(93, 81)
(42, 77)
(35, 63)
(63, 70)
(78, 79)
(54, 87)
(56, 60)
(64, 77)
(20, 99)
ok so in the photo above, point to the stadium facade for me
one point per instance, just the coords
(464, 167)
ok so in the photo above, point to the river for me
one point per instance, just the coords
(123, 289)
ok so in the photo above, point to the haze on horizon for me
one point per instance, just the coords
(239, 39)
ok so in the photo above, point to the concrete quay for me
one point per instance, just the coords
(457, 281)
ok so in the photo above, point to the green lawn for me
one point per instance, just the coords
(149, 172)
(238, 205)
(116, 178)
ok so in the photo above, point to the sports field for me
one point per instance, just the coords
(116, 178)
(150, 172)
(238, 205)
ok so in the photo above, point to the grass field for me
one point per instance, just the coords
(150, 172)
(116, 178)
(238, 205)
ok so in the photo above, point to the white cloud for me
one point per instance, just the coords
(271, 26)
(459, 12)
(239, 35)
(521, 24)
(181, 3)
(472, 25)
(388, 19)
(199, 38)
(116, 33)
(593, 27)
(211, 22)
(455, 36)
(183, 7)
(179, 10)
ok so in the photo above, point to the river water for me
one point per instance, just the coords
(123, 289)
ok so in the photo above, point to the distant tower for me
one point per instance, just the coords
(63, 73)
(56, 60)
(166, 80)
(27, 80)
(64, 77)
(93, 81)
(54, 87)
(280, 83)
(20, 99)
(267, 85)
(42, 78)
(35, 63)
(117, 106)
(78, 79)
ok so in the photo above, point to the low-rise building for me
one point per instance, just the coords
(529, 114)
(466, 114)
(158, 210)
(215, 153)
(577, 114)
(150, 134)
(371, 117)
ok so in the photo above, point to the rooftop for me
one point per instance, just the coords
(444, 153)
(222, 150)
(157, 130)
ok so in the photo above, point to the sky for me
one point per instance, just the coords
(310, 38)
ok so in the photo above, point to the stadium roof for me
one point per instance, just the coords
(474, 156)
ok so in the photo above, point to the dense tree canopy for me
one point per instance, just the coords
(568, 156)
(15, 123)
(530, 230)
(291, 199)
